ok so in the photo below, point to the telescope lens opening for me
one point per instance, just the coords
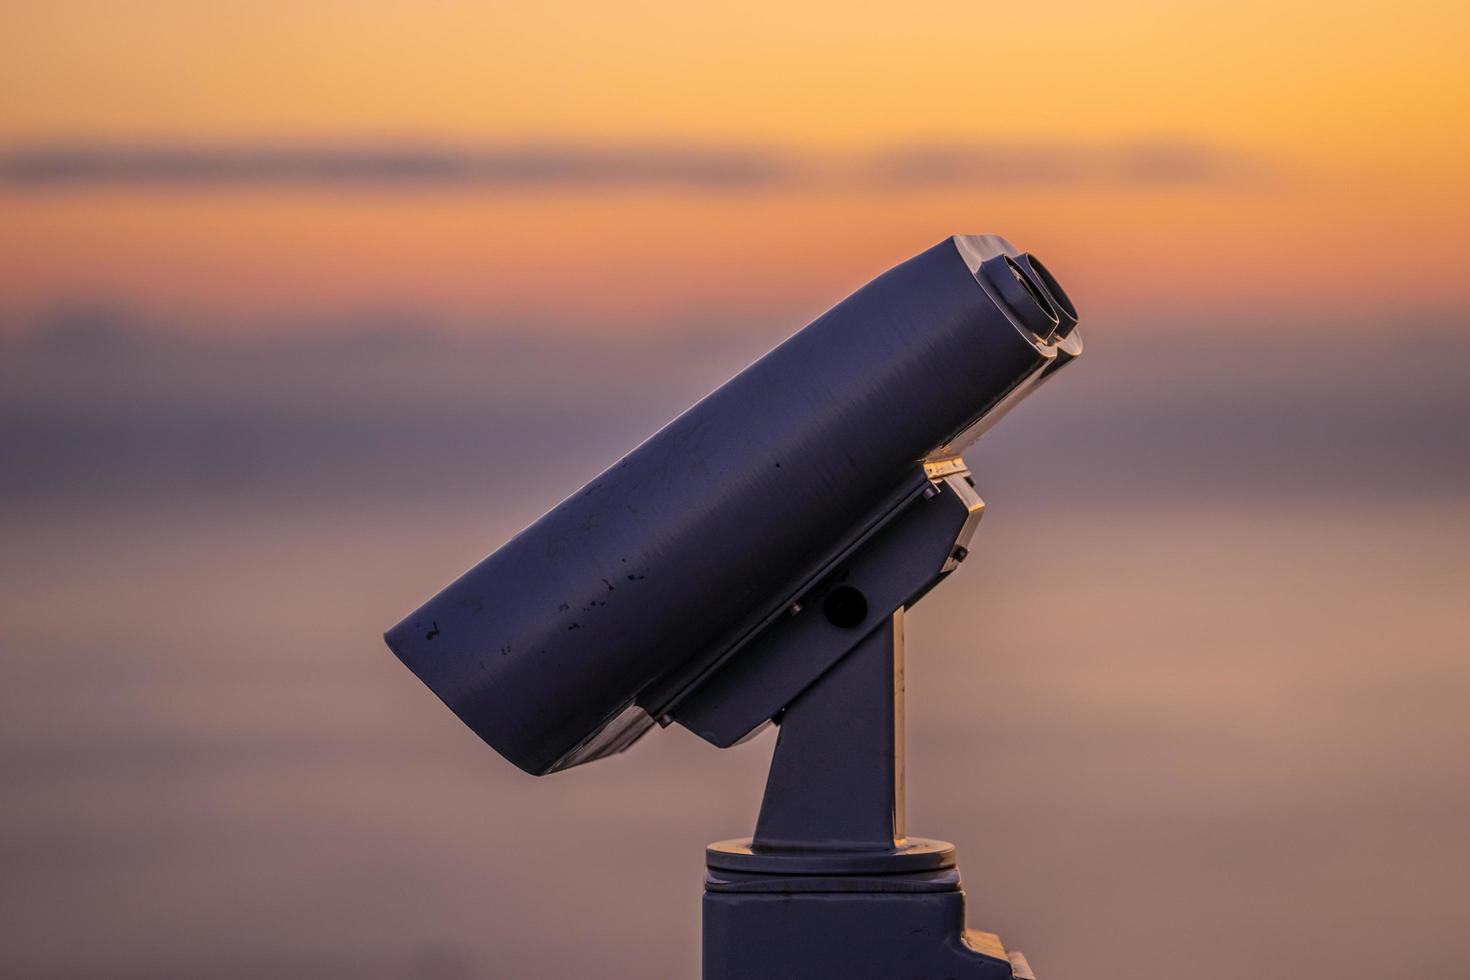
(1030, 287)
(845, 607)
(1061, 302)
(1025, 300)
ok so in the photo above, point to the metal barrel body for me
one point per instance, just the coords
(636, 575)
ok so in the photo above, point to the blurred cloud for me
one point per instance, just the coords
(92, 405)
(892, 168)
(202, 164)
(1162, 163)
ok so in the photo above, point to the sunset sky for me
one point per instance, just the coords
(307, 306)
(647, 168)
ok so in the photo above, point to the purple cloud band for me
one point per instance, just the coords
(1140, 164)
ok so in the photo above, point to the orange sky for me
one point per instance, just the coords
(1349, 119)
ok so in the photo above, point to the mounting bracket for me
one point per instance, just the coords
(830, 885)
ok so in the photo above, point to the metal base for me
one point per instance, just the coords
(878, 934)
(909, 855)
(722, 880)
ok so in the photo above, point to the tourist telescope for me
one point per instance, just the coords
(750, 564)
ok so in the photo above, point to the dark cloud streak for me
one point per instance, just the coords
(385, 165)
(896, 168)
(1142, 165)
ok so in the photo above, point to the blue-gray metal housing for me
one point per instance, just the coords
(570, 640)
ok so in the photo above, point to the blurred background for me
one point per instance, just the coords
(304, 307)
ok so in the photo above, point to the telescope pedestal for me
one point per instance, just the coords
(872, 935)
(830, 886)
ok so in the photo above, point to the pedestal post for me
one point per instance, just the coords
(830, 886)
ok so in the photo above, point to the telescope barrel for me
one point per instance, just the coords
(557, 634)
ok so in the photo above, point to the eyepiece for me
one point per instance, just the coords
(1061, 303)
(1025, 300)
